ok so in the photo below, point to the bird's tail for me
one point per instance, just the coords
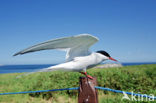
(52, 68)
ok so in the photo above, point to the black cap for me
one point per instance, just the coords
(103, 53)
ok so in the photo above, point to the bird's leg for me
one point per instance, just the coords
(85, 73)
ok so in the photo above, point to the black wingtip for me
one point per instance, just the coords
(15, 54)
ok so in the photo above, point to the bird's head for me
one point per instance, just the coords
(105, 55)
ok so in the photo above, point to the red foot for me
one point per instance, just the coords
(85, 73)
(89, 76)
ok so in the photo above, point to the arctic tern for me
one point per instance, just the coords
(78, 56)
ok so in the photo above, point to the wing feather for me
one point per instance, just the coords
(76, 45)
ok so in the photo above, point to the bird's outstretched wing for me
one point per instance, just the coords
(75, 45)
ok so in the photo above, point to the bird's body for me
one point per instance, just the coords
(78, 63)
(78, 57)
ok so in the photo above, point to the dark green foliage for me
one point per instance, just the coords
(140, 79)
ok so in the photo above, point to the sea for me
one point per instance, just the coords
(35, 67)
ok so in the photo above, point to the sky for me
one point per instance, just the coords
(126, 28)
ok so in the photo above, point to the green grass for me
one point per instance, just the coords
(139, 79)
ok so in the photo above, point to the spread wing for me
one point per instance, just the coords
(75, 45)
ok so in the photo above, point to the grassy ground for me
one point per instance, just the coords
(139, 79)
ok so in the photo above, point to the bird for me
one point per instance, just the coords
(78, 56)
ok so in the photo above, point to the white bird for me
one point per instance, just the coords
(78, 57)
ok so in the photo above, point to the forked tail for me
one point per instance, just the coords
(52, 68)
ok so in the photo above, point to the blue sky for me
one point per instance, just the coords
(126, 28)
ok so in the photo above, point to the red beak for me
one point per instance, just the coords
(112, 59)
